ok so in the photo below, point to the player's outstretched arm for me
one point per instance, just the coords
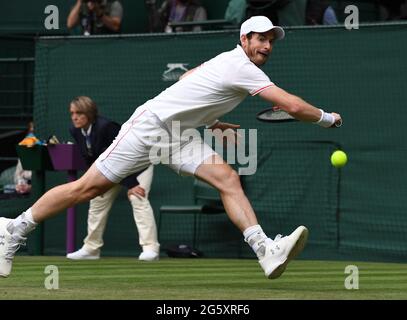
(297, 107)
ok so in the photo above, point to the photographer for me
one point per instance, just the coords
(96, 16)
(175, 11)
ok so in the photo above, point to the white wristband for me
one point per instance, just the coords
(212, 124)
(326, 120)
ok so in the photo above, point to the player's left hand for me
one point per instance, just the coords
(224, 126)
(228, 131)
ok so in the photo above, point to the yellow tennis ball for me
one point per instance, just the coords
(339, 159)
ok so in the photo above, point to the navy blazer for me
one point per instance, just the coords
(102, 135)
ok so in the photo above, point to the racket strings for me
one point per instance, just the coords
(276, 115)
(280, 115)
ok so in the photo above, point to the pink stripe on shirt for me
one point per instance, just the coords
(261, 89)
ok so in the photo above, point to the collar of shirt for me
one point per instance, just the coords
(87, 133)
(242, 52)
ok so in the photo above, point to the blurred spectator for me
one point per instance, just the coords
(392, 10)
(236, 11)
(96, 16)
(22, 178)
(268, 8)
(177, 11)
(320, 12)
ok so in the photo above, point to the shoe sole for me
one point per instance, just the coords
(4, 222)
(82, 259)
(148, 260)
(294, 252)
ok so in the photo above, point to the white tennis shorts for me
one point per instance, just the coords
(144, 140)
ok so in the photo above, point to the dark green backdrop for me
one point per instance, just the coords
(358, 213)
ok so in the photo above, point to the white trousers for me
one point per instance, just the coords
(143, 214)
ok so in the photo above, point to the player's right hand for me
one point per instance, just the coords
(338, 120)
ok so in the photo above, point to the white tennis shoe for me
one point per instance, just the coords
(9, 244)
(83, 254)
(281, 250)
(148, 255)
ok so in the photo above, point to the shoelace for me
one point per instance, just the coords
(276, 239)
(16, 241)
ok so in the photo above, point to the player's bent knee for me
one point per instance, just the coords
(229, 181)
(85, 191)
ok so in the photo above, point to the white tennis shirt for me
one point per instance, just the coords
(215, 88)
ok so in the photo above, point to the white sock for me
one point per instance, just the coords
(23, 224)
(255, 237)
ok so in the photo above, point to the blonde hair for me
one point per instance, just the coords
(86, 106)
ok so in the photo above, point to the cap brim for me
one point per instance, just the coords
(278, 32)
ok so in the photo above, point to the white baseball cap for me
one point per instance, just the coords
(261, 24)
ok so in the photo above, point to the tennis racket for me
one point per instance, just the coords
(277, 115)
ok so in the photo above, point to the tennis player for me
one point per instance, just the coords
(200, 98)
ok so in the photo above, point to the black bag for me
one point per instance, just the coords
(183, 251)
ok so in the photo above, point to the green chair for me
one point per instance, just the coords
(206, 201)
